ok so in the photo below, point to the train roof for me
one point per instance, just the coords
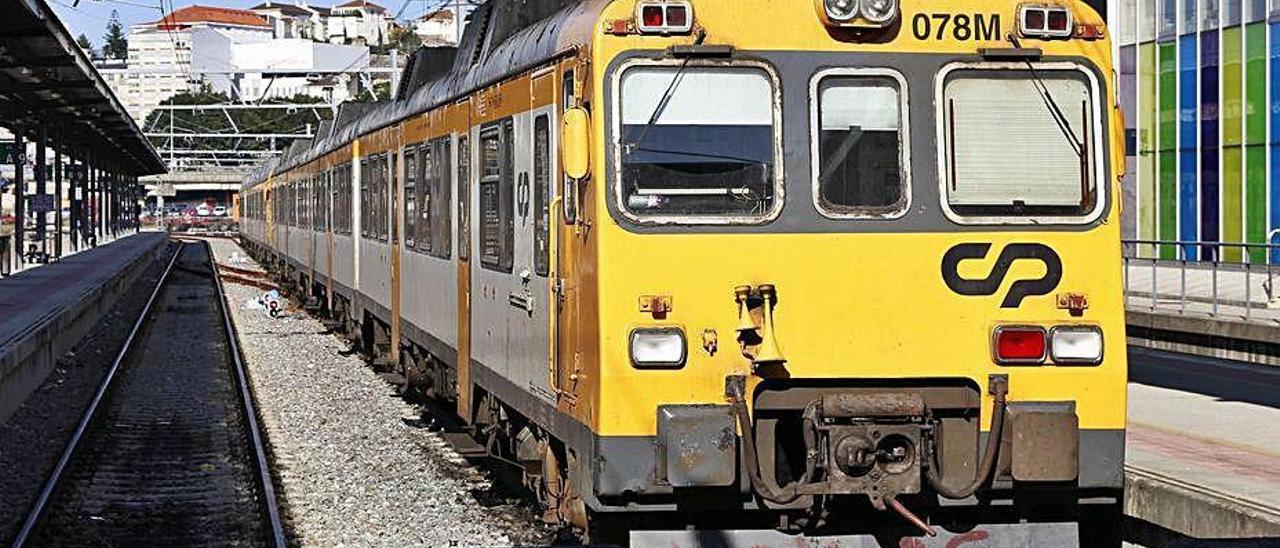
(504, 38)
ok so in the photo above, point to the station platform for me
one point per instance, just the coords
(1203, 447)
(46, 310)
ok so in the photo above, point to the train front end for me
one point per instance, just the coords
(857, 265)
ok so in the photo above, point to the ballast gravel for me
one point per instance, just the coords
(356, 465)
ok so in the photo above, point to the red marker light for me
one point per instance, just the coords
(677, 16)
(652, 16)
(1058, 20)
(1019, 344)
(1033, 19)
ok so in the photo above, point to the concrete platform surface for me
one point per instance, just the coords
(1203, 445)
(44, 311)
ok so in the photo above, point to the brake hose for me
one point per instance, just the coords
(789, 493)
(999, 389)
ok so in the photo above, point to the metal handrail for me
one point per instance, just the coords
(1209, 255)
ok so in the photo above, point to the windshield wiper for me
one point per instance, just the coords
(1055, 111)
(666, 98)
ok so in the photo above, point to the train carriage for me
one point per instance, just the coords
(831, 267)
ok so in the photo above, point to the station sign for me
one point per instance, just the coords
(166, 190)
(11, 153)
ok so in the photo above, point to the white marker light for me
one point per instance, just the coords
(1076, 344)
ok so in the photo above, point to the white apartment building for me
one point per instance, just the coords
(438, 28)
(359, 22)
(161, 56)
(295, 20)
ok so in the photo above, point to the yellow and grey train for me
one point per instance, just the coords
(844, 267)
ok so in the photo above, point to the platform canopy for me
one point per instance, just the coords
(47, 81)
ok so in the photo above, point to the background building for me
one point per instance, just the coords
(359, 22)
(1199, 82)
(242, 53)
(295, 20)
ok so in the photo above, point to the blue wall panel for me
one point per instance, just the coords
(1274, 179)
(1209, 140)
(1188, 131)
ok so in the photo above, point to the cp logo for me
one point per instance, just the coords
(989, 285)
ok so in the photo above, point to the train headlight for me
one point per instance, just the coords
(658, 347)
(841, 11)
(880, 12)
(1076, 344)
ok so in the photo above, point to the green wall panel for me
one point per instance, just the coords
(1255, 172)
(1146, 143)
(1232, 138)
(1167, 193)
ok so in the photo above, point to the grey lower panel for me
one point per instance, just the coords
(1020, 535)
(625, 466)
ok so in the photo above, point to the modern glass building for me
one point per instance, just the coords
(1199, 83)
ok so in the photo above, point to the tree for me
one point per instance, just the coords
(115, 45)
(84, 43)
(400, 38)
(229, 121)
(382, 88)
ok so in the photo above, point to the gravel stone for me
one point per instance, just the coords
(356, 463)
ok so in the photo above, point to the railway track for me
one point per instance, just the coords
(169, 451)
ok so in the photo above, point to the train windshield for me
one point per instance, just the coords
(1021, 142)
(860, 145)
(697, 141)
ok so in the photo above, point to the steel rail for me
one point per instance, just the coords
(55, 477)
(250, 411)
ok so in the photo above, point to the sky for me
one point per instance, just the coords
(90, 16)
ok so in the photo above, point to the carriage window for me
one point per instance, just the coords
(569, 202)
(860, 146)
(1050, 171)
(305, 199)
(366, 198)
(441, 197)
(490, 216)
(392, 181)
(541, 200)
(424, 204)
(698, 141)
(508, 207)
(410, 196)
(464, 198)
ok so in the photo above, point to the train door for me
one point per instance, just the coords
(564, 280)
(462, 196)
(528, 313)
(491, 294)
